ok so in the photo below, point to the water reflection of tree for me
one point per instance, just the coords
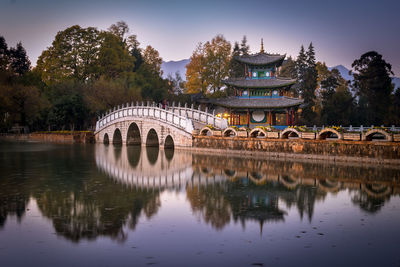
(210, 204)
(99, 208)
(14, 192)
(80, 202)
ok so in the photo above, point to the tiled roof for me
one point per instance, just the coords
(259, 83)
(235, 102)
(261, 59)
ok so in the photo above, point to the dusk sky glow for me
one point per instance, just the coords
(340, 30)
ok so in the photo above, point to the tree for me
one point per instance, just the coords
(20, 62)
(73, 54)
(209, 65)
(307, 79)
(301, 69)
(236, 69)
(217, 61)
(288, 69)
(4, 55)
(337, 101)
(196, 80)
(396, 107)
(119, 29)
(135, 51)
(373, 86)
(105, 94)
(22, 103)
(176, 83)
(244, 47)
(152, 59)
(114, 57)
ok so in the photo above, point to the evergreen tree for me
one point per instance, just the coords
(244, 47)
(373, 86)
(236, 69)
(135, 51)
(288, 69)
(4, 55)
(307, 79)
(20, 62)
(310, 85)
(301, 69)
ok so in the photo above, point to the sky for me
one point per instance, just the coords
(341, 30)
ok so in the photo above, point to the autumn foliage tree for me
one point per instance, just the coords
(209, 65)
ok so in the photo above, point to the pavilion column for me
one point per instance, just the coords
(287, 117)
(270, 117)
(291, 116)
(248, 118)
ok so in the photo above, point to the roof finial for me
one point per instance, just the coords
(262, 46)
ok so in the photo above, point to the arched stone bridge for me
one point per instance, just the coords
(152, 125)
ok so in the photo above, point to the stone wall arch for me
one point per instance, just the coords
(133, 136)
(329, 133)
(229, 132)
(117, 137)
(258, 133)
(374, 132)
(205, 131)
(290, 133)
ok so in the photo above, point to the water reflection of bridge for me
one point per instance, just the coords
(149, 167)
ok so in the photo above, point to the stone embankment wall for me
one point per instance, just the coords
(337, 150)
(78, 137)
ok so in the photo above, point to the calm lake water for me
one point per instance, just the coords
(96, 205)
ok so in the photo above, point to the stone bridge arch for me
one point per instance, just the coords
(329, 133)
(169, 142)
(290, 133)
(117, 137)
(135, 131)
(378, 132)
(152, 138)
(133, 136)
(106, 139)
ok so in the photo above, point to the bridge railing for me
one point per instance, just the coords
(360, 128)
(199, 116)
(180, 117)
(149, 111)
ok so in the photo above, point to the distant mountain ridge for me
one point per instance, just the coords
(171, 67)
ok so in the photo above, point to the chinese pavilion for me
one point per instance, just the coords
(261, 97)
